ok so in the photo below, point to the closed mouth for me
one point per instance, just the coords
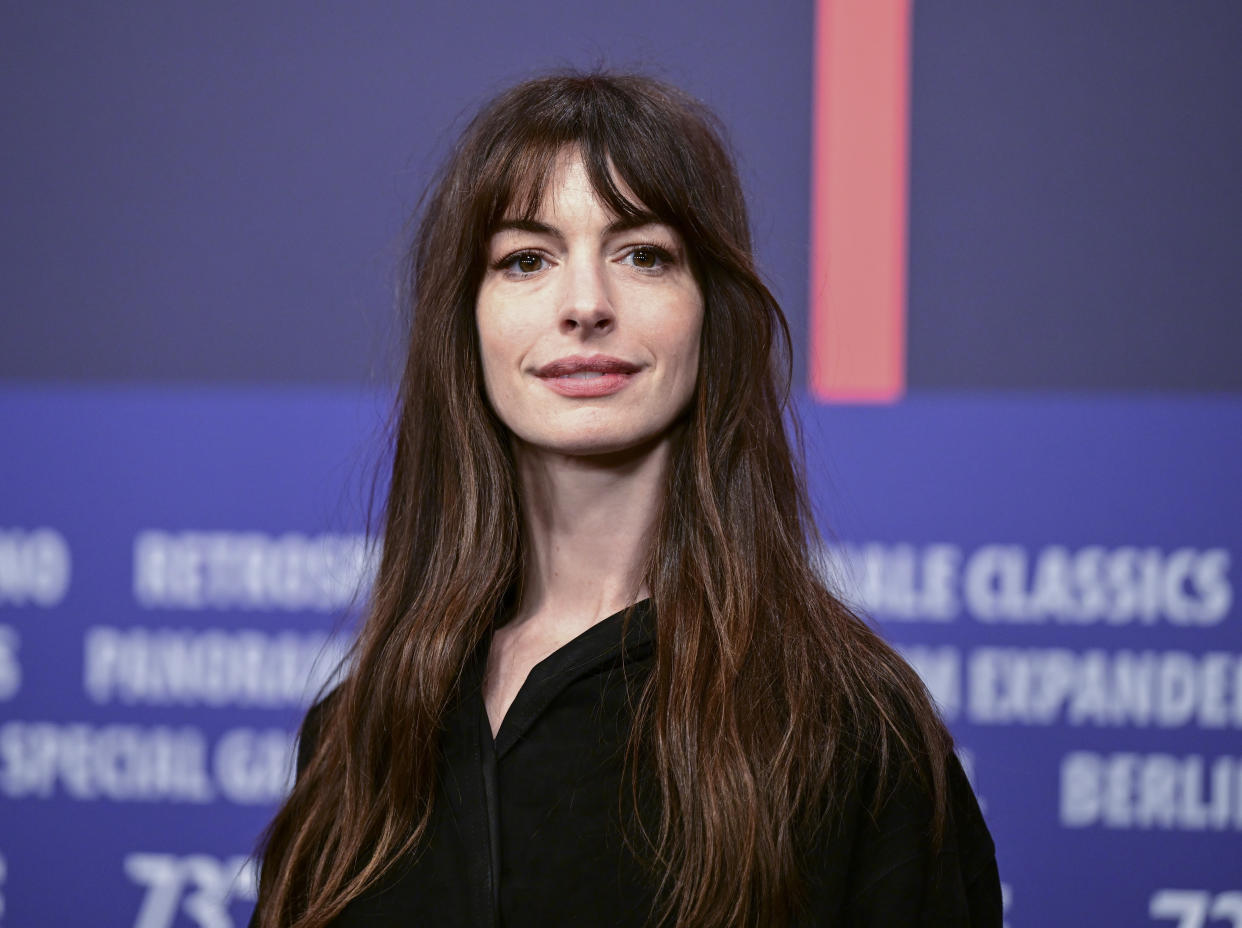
(582, 368)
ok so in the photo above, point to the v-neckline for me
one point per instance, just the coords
(592, 646)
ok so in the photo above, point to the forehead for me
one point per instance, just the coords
(566, 183)
(568, 188)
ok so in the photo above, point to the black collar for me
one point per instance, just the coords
(628, 634)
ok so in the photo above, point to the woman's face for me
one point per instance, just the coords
(588, 327)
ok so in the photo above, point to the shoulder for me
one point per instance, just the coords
(312, 725)
(902, 873)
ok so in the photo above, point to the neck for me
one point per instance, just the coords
(588, 522)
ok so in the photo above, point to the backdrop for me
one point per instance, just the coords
(1007, 239)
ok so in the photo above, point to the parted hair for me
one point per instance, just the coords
(768, 695)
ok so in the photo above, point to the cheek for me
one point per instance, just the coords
(493, 343)
(504, 338)
(688, 338)
(493, 321)
(491, 348)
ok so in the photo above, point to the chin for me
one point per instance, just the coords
(603, 443)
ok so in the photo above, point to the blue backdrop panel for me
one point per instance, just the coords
(1063, 571)
(175, 568)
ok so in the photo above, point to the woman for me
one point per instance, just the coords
(601, 681)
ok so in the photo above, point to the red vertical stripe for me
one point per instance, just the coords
(858, 210)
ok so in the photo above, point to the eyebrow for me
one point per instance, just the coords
(621, 224)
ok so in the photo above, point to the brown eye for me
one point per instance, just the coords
(528, 263)
(646, 258)
(651, 258)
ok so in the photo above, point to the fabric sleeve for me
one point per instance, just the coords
(308, 739)
(899, 880)
(308, 735)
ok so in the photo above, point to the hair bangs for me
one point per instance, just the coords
(630, 172)
(518, 193)
(515, 188)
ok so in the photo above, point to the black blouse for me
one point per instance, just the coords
(527, 828)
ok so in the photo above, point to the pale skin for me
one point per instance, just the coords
(591, 469)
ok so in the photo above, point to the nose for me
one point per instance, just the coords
(586, 306)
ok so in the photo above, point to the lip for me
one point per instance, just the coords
(611, 375)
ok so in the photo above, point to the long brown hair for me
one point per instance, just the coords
(765, 689)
